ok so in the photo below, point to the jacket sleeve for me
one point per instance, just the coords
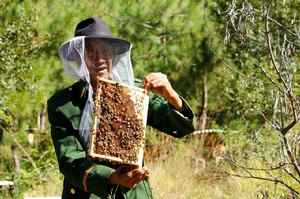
(164, 117)
(73, 164)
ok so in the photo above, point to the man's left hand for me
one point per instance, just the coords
(159, 83)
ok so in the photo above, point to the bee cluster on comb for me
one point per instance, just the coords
(120, 114)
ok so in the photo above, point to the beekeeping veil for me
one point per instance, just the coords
(72, 53)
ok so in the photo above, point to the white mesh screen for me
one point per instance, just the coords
(72, 55)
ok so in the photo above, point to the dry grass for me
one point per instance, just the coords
(178, 177)
(174, 175)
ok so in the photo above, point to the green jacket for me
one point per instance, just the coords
(84, 178)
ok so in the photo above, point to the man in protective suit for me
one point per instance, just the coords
(92, 53)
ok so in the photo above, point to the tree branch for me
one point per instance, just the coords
(288, 90)
(256, 169)
(268, 179)
(271, 123)
(249, 77)
(292, 175)
(290, 155)
(26, 154)
(269, 77)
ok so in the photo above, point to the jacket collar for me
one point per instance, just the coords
(81, 89)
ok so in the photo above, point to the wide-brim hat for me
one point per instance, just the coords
(93, 28)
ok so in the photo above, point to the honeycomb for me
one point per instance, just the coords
(120, 114)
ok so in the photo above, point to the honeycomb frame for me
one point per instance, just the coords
(119, 123)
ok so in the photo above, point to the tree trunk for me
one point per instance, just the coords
(41, 118)
(16, 158)
(203, 118)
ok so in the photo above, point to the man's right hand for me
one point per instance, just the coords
(128, 176)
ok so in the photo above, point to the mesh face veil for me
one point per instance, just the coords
(73, 55)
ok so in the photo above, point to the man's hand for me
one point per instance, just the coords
(128, 176)
(159, 83)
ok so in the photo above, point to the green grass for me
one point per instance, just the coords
(51, 187)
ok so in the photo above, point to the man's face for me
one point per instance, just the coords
(98, 58)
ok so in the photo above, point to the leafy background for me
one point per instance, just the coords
(188, 41)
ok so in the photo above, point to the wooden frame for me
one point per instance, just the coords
(119, 123)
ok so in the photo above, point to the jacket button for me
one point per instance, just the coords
(72, 191)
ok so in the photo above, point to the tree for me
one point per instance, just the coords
(267, 62)
(19, 41)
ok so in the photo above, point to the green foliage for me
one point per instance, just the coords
(184, 39)
(18, 46)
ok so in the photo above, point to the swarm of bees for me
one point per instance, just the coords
(118, 133)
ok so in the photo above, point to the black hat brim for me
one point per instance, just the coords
(119, 46)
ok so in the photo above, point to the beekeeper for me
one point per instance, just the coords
(92, 53)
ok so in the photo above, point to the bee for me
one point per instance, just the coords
(117, 104)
